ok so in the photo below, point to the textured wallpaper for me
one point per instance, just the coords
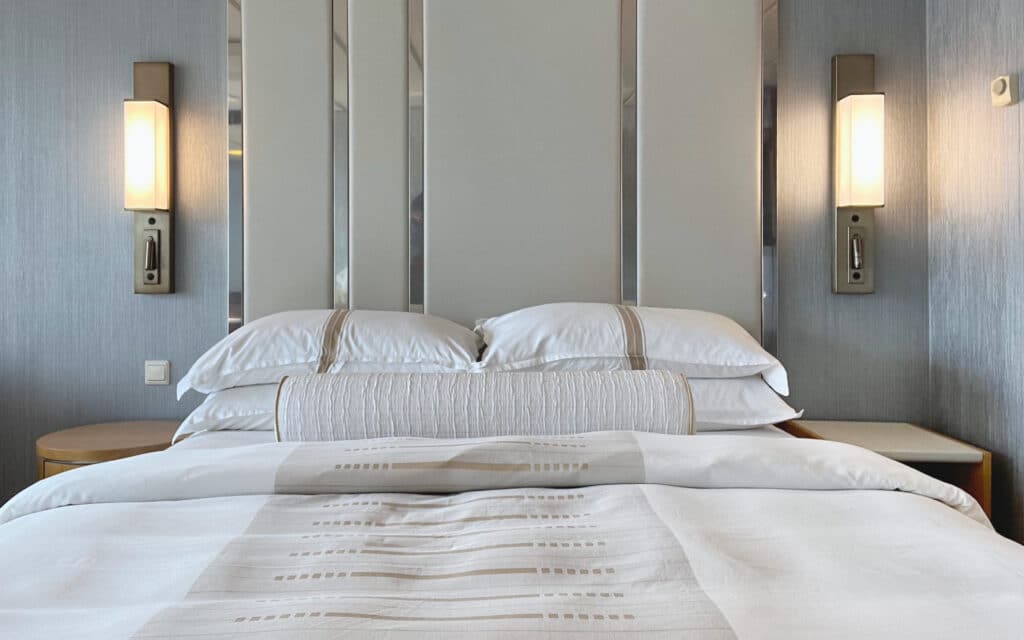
(73, 336)
(857, 357)
(976, 239)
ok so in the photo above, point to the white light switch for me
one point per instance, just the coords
(158, 372)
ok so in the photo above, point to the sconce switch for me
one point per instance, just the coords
(153, 252)
(853, 267)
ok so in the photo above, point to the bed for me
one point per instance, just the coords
(716, 536)
(644, 530)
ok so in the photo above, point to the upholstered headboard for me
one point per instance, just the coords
(533, 189)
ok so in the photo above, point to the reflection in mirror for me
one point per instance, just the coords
(769, 226)
(416, 194)
(235, 212)
(627, 210)
(340, 71)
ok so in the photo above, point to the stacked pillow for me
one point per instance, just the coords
(242, 371)
(732, 378)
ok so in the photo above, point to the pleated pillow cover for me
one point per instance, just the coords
(324, 407)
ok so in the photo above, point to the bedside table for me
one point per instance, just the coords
(937, 455)
(79, 446)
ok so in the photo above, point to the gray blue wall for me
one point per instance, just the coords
(976, 238)
(73, 336)
(853, 357)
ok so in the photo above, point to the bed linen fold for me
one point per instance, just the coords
(426, 465)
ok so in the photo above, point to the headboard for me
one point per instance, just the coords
(590, 150)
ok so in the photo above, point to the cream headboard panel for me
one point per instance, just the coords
(521, 161)
(521, 154)
(698, 156)
(286, 85)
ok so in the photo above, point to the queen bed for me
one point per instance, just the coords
(384, 494)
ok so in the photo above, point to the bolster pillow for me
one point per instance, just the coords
(464, 405)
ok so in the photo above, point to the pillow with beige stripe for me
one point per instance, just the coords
(595, 337)
(330, 341)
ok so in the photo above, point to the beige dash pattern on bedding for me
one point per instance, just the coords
(496, 563)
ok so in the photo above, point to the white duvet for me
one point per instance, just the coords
(608, 534)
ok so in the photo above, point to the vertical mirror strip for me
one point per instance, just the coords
(340, 121)
(235, 166)
(769, 218)
(414, 16)
(627, 63)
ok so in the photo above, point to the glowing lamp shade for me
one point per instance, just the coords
(860, 151)
(147, 155)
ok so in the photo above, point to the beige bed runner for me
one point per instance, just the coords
(522, 562)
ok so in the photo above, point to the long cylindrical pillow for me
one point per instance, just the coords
(461, 405)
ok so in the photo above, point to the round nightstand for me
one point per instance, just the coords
(79, 446)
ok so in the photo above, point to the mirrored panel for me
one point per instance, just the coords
(235, 198)
(416, 194)
(627, 212)
(769, 226)
(341, 208)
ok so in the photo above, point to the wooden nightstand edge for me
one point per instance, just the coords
(794, 429)
(978, 482)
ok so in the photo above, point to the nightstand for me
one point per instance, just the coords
(940, 456)
(79, 446)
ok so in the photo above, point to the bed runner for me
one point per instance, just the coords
(513, 562)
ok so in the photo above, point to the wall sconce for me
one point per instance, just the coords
(858, 120)
(148, 174)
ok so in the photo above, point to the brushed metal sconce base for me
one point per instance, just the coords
(154, 252)
(853, 242)
(853, 248)
(154, 232)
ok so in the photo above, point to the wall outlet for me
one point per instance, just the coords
(158, 372)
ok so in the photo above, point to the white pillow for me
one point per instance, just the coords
(238, 409)
(737, 403)
(596, 336)
(325, 340)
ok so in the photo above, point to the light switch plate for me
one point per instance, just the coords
(158, 372)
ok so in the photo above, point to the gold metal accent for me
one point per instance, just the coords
(852, 74)
(154, 81)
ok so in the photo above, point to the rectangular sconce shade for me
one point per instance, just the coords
(860, 151)
(147, 156)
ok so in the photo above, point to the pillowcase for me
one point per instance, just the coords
(737, 403)
(296, 342)
(238, 409)
(595, 336)
(469, 405)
